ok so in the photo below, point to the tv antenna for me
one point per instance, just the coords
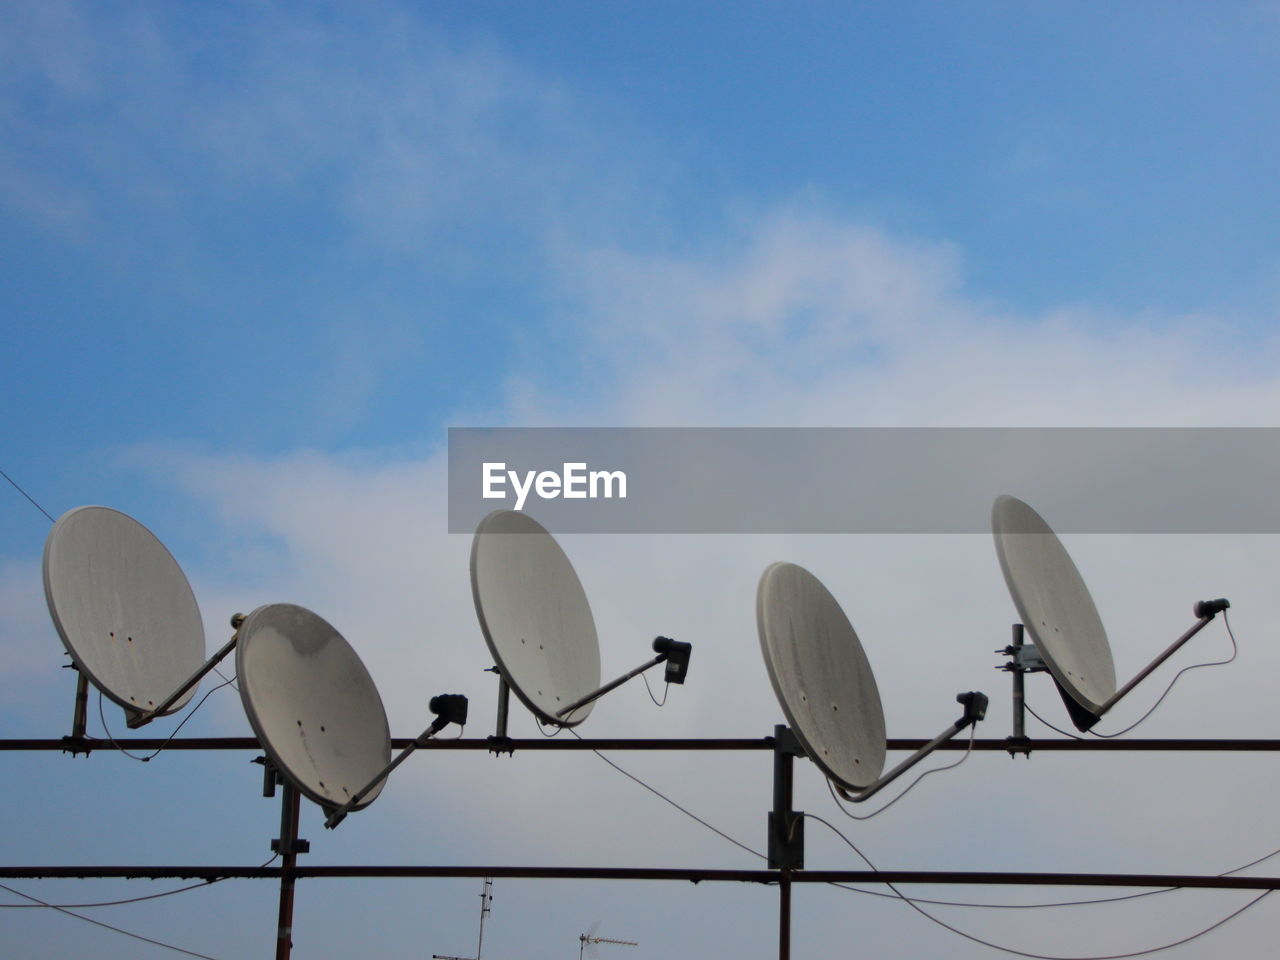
(538, 625)
(486, 898)
(587, 942)
(1055, 606)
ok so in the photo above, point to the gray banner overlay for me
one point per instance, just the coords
(867, 480)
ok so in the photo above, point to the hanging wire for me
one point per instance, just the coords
(914, 905)
(1235, 649)
(853, 816)
(28, 496)
(555, 729)
(898, 895)
(1065, 733)
(662, 796)
(98, 923)
(106, 903)
(1055, 903)
(665, 690)
(41, 905)
(133, 756)
(229, 680)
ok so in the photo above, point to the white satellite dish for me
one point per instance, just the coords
(1056, 608)
(538, 626)
(534, 616)
(124, 610)
(1054, 604)
(312, 705)
(825, 685)
(821, 675)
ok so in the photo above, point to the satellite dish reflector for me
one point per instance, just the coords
(824, 683)
(123, 608)
(312, 704)
(1054, 604)
(821, 675)
(534, 616)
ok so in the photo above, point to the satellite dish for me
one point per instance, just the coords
(824, 683)
(821, 675)
(534, 616)
(1054, 604)
(123, 608)
(1056, 608)
(312, 705)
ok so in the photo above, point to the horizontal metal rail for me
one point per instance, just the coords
(89, 744)
(695, 875)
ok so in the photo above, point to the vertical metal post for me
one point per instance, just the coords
(82, 706)
(1019, 697)
(485, 897)
(287, 847)
(786, 832)
(784, 915)
(504, 702)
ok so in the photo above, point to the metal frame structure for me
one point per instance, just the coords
(785, 825)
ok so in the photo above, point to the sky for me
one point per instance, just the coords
(258, 257)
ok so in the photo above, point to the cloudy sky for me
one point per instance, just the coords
(258, 257)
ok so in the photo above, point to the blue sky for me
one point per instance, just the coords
(257, 257)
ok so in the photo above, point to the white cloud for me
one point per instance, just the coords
(799, 318)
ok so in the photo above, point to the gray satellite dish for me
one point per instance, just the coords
(534, 616)
(124, 610)
(1055, 606)
(821, 675)
(312, 705)
(825, 685)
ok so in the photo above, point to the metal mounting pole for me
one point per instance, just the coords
(504, 704)
(784, 915)
(499, 742)
(786, 831)
(1019, 696)
(288, 846)
(82, 706)
(1024, 658)
(1019, 689)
